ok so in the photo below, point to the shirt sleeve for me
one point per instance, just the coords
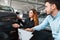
(43, 25)
(58, 36)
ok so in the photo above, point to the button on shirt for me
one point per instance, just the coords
(54, 23)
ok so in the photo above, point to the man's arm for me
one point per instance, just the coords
(57, 36)
(43, 25)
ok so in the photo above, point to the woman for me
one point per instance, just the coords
(37, 35)
(29, 22)
(32, 20)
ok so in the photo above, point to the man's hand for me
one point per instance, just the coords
(29, 29)
(15, 25)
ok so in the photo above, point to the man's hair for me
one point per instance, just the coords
(56, 2)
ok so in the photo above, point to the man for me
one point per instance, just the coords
(52, 8)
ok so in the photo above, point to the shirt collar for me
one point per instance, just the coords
(58, 14)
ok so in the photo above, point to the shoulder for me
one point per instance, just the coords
(48, 17)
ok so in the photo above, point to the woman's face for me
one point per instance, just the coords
(31, 14)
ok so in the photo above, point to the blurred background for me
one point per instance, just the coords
(23, 6)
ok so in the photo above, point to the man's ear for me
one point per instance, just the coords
(53, 6)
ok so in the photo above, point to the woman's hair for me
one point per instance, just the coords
(35, 17)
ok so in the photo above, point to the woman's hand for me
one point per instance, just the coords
(15, 25)
(29, 29)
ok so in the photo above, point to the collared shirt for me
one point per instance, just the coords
(54, 23)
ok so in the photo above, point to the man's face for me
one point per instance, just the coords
(48, 8)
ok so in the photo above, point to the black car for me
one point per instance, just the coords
(7, 18)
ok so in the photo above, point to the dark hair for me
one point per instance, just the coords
(56, 2)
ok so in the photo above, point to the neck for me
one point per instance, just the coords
(31, 18)
(54, 13)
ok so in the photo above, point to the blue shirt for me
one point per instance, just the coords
(54, 23)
